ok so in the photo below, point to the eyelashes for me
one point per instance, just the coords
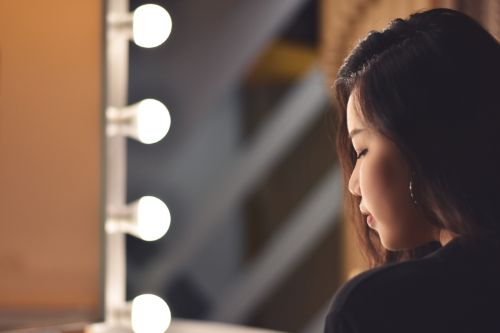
(362, 153)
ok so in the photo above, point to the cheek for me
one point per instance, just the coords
(383, 181)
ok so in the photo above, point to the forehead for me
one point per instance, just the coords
(355, 117)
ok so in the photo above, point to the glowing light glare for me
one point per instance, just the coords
(153, 121)
(151, 25)
(153, 218)
(150, 314)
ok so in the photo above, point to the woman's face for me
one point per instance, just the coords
(381, 179)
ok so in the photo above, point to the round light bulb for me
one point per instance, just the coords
(150, 314)
(153, 218)
(153, 121)
(151, 25)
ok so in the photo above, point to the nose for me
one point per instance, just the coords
(353, 184)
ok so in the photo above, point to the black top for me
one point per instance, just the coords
(453, 289)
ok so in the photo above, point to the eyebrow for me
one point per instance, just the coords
(355, 131)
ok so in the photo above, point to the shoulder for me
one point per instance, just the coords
(386, 285)
(422, 291)
(367, 298)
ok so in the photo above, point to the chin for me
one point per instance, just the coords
(391, 245)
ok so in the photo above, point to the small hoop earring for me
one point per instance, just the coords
(412, 195)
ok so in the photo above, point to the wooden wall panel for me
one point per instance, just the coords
(50, 155)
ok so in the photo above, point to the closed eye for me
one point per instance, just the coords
(362, 153)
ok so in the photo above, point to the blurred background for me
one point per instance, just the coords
(243, 169)
(248, 168)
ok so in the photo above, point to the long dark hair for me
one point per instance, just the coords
(431, 84)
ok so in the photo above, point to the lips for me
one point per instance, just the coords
(369, 218)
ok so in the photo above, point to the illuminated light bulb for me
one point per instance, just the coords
(153, 121)
(150, 314)
(147, 121)
(151, 25)
(153, 218)
(147, 218)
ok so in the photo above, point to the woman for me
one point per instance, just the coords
(419, 143)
